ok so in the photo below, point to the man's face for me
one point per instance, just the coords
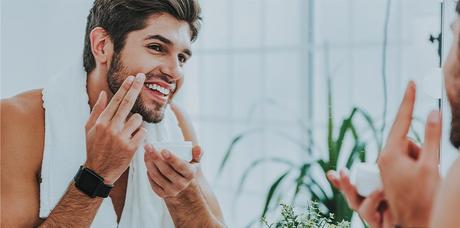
(452, 83)
(160, 51)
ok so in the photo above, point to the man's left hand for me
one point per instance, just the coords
(169, 175)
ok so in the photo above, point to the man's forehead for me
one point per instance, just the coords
(167, 26)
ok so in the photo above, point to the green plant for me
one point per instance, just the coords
(305, 181)
(311, 218)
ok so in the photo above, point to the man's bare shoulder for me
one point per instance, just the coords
(22, 126)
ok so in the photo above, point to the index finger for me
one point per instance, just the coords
(403, 118)
(182, 167)
(128, 100)
(112, 107)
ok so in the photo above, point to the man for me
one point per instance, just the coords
(415, 195)
(134, 55)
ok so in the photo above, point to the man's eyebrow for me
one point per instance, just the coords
(160, 38)
(188, 52)
(167, 41)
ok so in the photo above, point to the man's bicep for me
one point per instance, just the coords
(20, 190)
(19, 165)
(20, 203)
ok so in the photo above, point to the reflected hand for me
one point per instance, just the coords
(410, 173)
(371, 209)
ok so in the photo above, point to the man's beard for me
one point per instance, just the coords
(455, 127)
(116, 75)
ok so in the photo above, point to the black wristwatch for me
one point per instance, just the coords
(91, 183)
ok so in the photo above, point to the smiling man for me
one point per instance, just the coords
(86, 136)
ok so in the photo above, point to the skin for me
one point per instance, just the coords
(370, 208)
(445, 212)
(402, 163)
(113, 134)
(425, 206)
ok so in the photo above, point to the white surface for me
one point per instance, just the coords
(366, 178)
(432, 83)
(181, 149)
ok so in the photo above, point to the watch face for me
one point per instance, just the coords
(88, 182)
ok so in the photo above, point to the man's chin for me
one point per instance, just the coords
(151, 113)
(153, 116)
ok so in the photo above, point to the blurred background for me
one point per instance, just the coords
(272, 86)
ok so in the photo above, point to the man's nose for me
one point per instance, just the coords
(172, 68)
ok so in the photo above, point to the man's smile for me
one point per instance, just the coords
(159, 91)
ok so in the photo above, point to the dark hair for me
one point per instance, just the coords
(119, 17)
(458, 7)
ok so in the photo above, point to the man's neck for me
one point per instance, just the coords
(96, 82)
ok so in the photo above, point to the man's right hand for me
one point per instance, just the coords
(111, 137)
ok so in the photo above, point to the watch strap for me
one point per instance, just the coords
(91, 183)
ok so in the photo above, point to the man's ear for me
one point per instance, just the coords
(101, 45)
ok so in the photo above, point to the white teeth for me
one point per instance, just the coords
(158, 88)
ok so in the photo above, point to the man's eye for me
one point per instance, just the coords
(155, 47)
(182, 59)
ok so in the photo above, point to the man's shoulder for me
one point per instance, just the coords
(27, 102)
(23, 109)
(22, 126)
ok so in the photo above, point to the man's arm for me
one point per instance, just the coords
(111, 142)
(447, 206)
(75, 209)
(22, 133)
(192, 209)
(189, 134)
(22, 137)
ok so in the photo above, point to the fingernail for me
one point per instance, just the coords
(165, 154)
(148, 147)
(140, 75)
(434, 117)
(130, 79)
(331, 174)
(410, 84)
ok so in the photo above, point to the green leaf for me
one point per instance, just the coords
(272, 191)
(239, 137)
(346, 125)
(229, 151)
(300, 179)
(256, 163)
(358, 152)
(330, 124)
(319, 188)
(370, 122)
(341, 209)
(324, 166)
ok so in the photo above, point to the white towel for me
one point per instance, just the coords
(66, 106)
